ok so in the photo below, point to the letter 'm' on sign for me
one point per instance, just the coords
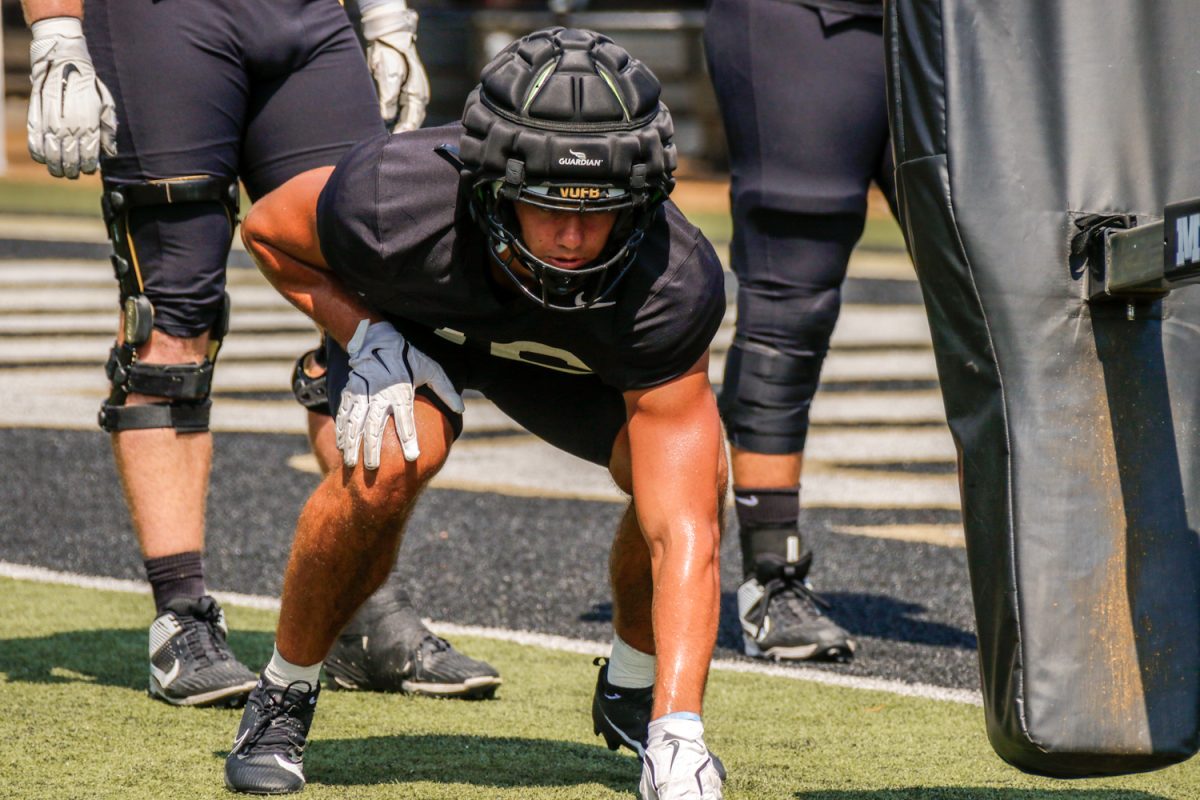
(1187, 237)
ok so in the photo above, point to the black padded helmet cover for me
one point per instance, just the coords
(568, 106)
(567, 119)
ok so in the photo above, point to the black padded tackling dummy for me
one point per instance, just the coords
(1078, 428)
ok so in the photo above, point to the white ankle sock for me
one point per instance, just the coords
(630, 668)
(282, 672)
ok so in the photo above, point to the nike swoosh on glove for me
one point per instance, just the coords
(71, 112)
(385, 372)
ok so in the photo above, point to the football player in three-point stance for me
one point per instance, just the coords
(174, 102)
(539, 263)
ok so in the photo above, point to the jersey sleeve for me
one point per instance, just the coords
(348, 219)
(679, 319)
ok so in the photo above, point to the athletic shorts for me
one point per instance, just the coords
(257, 89)
(575, 413)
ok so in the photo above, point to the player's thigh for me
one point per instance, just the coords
(311, 102)
(803, 102)
(180, 96)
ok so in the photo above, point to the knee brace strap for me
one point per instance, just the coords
(766, 397)
(185, 417)
(186, 385)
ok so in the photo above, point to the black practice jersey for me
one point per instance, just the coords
(396, 230)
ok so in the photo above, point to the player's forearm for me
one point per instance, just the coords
(677, 460)
(311, 288)
(35, 10)
(687, 589)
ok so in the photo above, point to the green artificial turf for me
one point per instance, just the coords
(77, 723)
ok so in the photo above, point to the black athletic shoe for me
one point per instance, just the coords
(620, 715)
(783, 618)
(190, 662)
(268, 752)
(386, 648)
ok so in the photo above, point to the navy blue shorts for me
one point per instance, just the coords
(258, 89)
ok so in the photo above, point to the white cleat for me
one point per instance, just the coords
(677, 764)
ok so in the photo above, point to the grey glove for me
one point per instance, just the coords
(385, 371)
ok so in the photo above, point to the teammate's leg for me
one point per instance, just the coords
(163, 76)
(798, 210)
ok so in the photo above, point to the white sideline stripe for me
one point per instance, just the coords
(526, 638)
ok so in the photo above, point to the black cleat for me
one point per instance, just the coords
(783, 618)
(621, 715)
(386, 648)
(190, 662)
(268, 753)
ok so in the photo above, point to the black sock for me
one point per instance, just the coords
(768, 523)
(179, 575)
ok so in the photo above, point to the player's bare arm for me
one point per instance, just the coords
(44, 9)
(280, 233)
(678, 481)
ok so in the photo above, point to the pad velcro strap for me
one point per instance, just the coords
(198, 189)
(172, 381)
(185, 418)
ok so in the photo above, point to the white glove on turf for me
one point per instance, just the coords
(390, 29)
(385, 371)
(677, 764)
(71, 113)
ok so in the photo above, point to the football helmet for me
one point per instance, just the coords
(566, 119)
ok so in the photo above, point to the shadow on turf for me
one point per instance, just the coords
(978, 793)
(108, 657)
(875, 615)
(500, 762)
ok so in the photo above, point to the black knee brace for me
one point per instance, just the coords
(310, 392)
(186, 387)
(765, 397)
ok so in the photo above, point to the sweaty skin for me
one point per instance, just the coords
(664, 567)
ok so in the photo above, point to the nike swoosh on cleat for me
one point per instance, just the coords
(613, 696)
(165, 678)
(295, 769)
(637, 746)
(237, 743)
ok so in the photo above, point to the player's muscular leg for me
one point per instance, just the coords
(348, 535)
(164, 473)
(674, 628)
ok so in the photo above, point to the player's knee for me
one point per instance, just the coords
(391, 487)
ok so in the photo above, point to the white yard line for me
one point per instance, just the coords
(526, 638)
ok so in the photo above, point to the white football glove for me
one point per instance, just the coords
(677, 764)
(390, 29)
(71, 112)
(385, 371)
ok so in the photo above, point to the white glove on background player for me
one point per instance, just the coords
(390, 28)
(71, 113)
(385, 371)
